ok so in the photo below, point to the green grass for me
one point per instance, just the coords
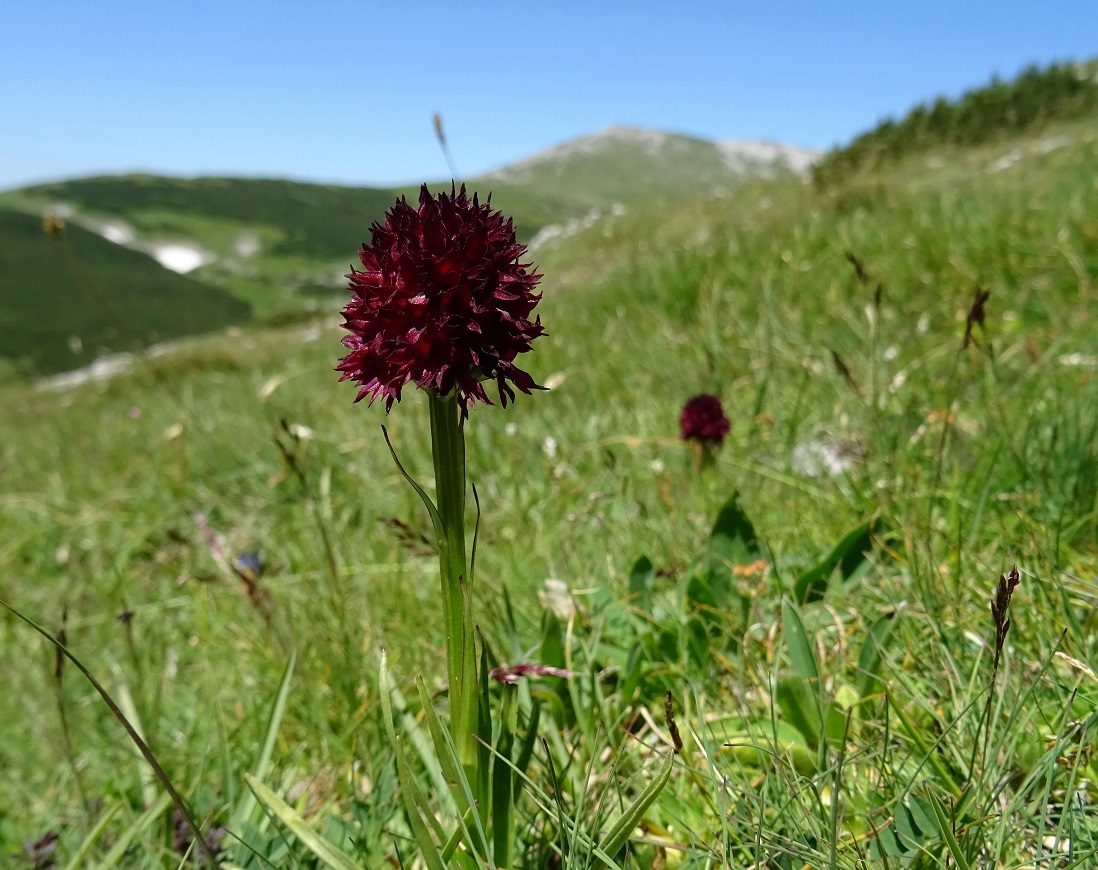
(807, 744)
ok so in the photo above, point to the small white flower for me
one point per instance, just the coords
(549, 447)
(557, 598)
(891, 353)
(302, 433)
(1078, 360)
(510, 429)
(658, 467)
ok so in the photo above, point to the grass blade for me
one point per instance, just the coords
(328, 853)
(246, 803)
(946, 829)
(126, 838)
(146, 753)
(77, 860)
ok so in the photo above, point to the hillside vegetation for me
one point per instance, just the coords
(282, 248)
(64, 304)
(1036, 98)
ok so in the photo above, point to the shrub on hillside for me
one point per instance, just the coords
(1034, 98)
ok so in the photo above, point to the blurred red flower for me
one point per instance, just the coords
(703, 420)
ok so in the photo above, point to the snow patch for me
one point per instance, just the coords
(103, 369)
(119, 232)
(179, 257)
(756, 156)
(1006, 161)
(573, 226)
(109, 365)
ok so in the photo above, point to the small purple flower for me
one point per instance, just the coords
(442, 302)
(703, 420)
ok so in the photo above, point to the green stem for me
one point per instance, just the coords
(448, 449)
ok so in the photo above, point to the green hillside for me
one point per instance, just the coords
(847, 698)
(310, 220)
(283, 247)
(61, 308)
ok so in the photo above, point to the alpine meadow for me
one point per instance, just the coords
(747, 517)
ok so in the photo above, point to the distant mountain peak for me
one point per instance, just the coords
(650, 150)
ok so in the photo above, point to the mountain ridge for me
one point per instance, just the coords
(283, 247)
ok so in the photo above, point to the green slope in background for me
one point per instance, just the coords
(50, 321)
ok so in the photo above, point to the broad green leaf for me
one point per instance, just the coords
(887, 842)
(801, 655)
(800, 708)
(799, 696)
(929, 753)
(848, 555)
(923, 815)
(697, 642)
(756, 747)
(733, 540)
(642, 578)
(526, 752)
(551, 652)
(906, 830)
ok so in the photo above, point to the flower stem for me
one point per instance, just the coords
(448, 449)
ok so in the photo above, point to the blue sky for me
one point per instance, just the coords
(344, 92)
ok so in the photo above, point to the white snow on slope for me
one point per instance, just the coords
(745, 156)
(179, 257)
